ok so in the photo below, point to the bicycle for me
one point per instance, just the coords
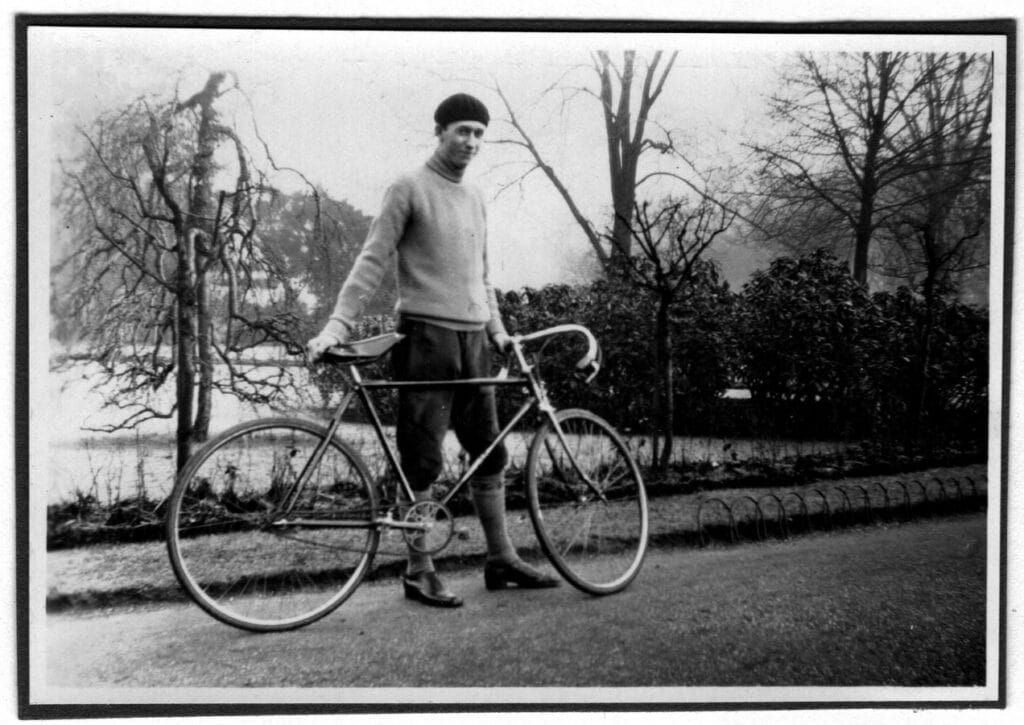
(274, 523)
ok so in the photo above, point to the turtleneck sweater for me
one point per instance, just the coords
(437, 227)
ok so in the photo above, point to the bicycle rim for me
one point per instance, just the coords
(244, 559)
(594, 534)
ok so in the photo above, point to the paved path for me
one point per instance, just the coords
(883, 605)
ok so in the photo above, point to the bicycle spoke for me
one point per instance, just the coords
(228, 535)
(587, 502)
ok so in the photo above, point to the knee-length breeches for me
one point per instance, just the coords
(432, 352)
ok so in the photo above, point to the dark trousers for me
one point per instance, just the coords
(431, 352)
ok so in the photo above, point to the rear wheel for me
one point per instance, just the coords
(254, 552)
(587, 502)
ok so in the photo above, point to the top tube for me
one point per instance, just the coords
(367, 350)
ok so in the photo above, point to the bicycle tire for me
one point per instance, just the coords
(597, 544)
(228, 546)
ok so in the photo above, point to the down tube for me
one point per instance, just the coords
(318, 453)
(526, 407)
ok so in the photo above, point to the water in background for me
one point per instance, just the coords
(113, 466)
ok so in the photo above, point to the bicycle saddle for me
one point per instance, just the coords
(360, 352)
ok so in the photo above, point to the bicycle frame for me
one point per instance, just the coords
(363, 390)
(529, 379)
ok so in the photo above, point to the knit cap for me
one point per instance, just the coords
(461, 107)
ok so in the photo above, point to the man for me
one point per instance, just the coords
(448, 311)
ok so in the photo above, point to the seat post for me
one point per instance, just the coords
(354, 388)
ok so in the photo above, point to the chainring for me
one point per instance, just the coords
(440, 527)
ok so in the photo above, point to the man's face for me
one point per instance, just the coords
(460, 141)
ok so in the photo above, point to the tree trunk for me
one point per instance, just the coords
(666, 406)
(656, 399)
(621, 237)
(204, 353)
(201, 226)
(624, 202)
(865, 217)
(862, 244)
(623, 152)
(186, 342)
(920, 419)
(877, 123)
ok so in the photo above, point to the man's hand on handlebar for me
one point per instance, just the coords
(502, 342)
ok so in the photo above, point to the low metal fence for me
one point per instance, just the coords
(824, 508)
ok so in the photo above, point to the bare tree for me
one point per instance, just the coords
(941, 229)
(166, 277)
(626, 123)
(670, 244)
(656, 248)
(842, 150)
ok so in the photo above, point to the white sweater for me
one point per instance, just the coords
(438, 227)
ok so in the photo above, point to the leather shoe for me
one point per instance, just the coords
(427, 588)
(501, 575)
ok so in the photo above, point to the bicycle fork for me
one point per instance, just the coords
(545, 406)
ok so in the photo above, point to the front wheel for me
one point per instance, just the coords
(587, 502)
(255, 549)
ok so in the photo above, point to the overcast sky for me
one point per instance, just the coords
(351, 109)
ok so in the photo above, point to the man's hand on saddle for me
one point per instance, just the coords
(316, 347)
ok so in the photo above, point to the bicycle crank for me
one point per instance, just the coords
(428, 526)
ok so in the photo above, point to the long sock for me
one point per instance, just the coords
(418, 561)
(489, 501)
